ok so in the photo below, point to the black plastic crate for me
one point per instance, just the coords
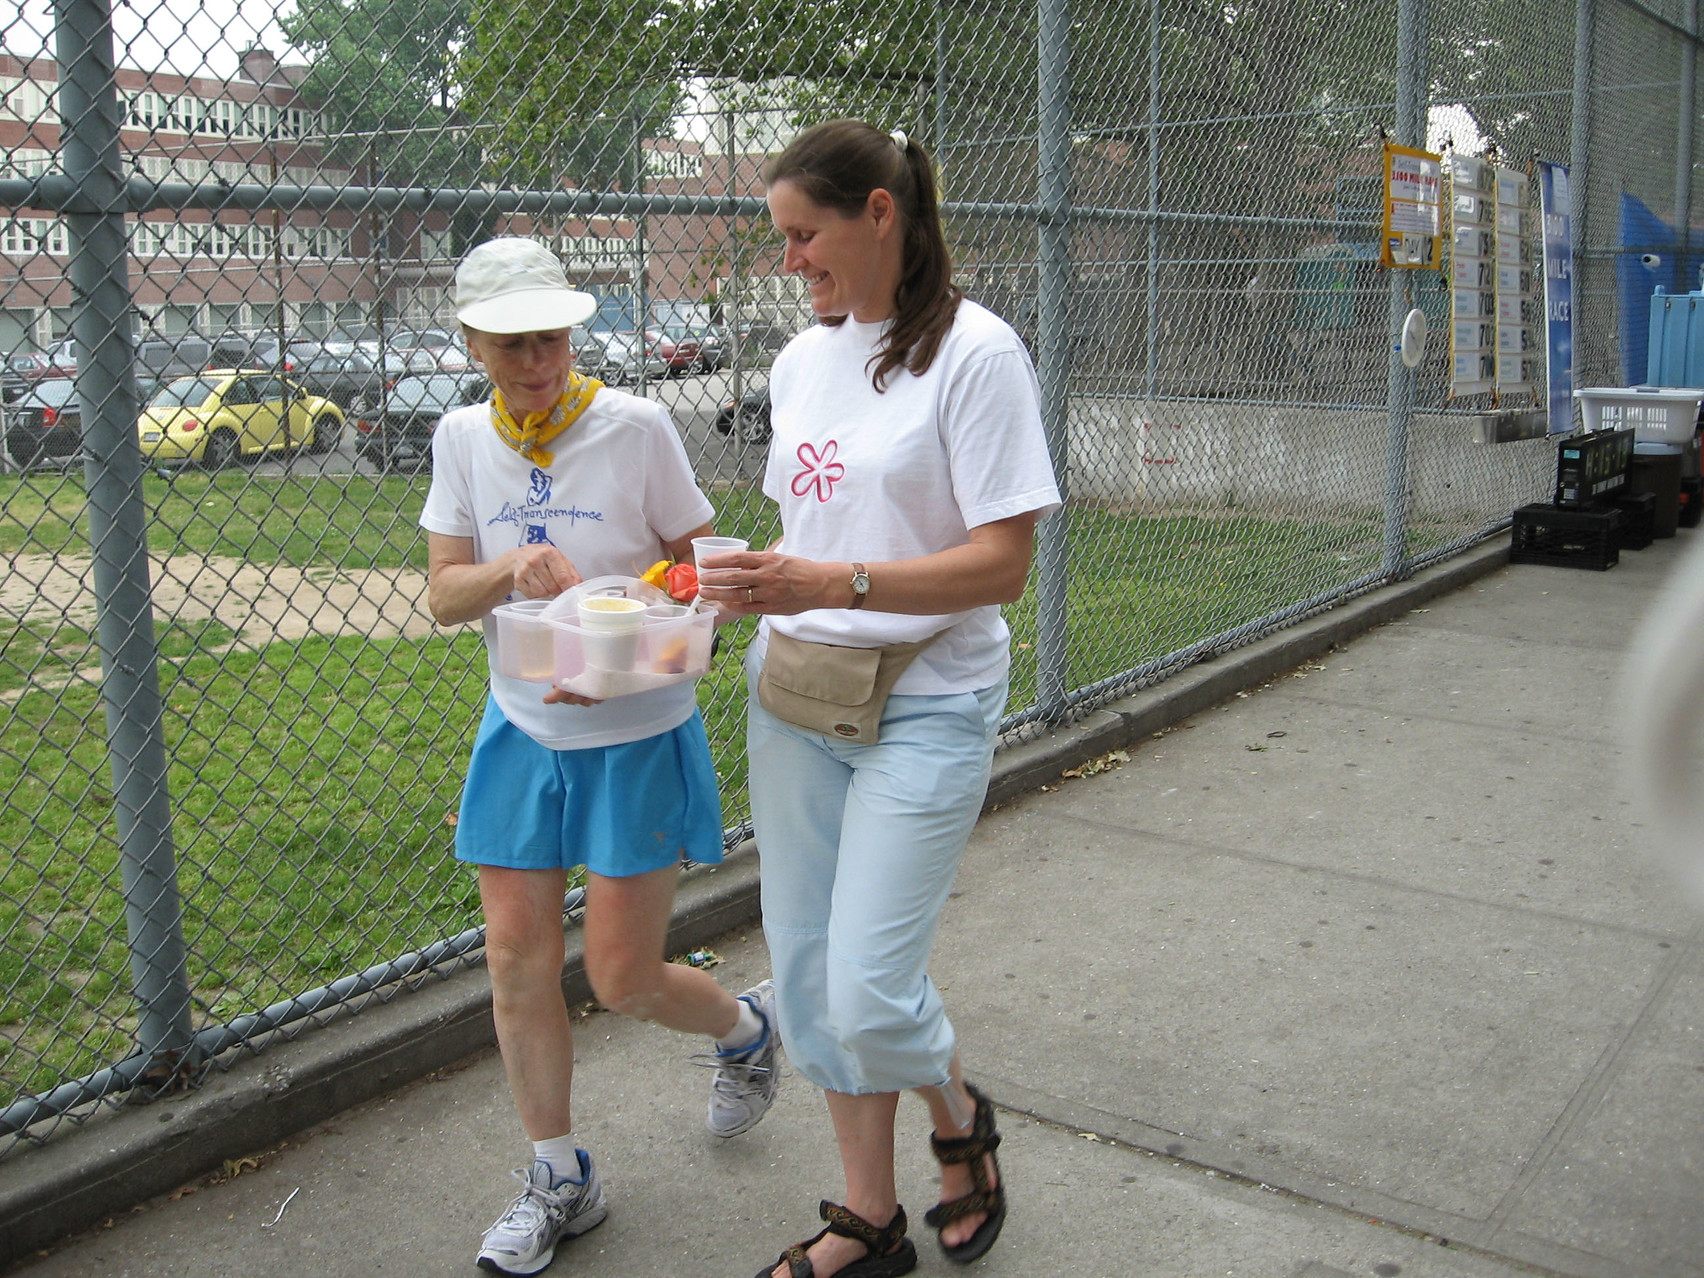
(1638, 519)
(1592, 467)
(1567, 538)
(1691, 502)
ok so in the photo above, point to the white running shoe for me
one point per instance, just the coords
(523, 1239)
(746, 1082)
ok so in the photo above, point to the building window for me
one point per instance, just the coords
(25, 162)
(436, 246)
(147, 111)
(260, 119)
(186, 114)
(26, 100)
(30, 236)
(207, 117)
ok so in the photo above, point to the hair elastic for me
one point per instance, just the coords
(899, 139)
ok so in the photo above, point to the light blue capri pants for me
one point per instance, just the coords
(860, 844)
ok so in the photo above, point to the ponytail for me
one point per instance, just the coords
(837, 164)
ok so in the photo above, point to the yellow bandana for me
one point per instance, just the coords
(529, 437)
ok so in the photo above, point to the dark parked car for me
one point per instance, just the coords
(614, 359)
(161, 359)
(346, 378)
(19, 371)
(713, 348)
(407, 339)
(245, 350)
(399, 432)
(45, 421)
(750, 414)
(678, 345)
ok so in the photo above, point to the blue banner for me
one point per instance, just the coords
(1558, 226)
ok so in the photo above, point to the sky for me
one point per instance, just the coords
(192, 37)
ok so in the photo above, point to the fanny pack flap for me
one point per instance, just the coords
(822, 671)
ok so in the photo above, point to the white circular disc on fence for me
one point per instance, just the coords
(1413, 338)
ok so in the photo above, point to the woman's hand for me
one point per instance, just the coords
(562, 697)
(540, 571)
(750, 582)
(989, 568)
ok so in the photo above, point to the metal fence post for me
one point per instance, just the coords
(1579, 146)
(1683, 143)
(1151, 364)
(1411, 97)
(106, 388)
(1054, 339)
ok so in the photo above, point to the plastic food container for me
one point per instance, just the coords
(542, 641)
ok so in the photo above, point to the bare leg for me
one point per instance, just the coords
(863, 1127)
(953, 1113)
(523, 953)
(627, 923)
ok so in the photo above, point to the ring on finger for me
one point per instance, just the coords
(751, 595)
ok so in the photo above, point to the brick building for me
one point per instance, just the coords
(305, 271)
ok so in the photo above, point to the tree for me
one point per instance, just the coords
(568, 91)
(381, 72)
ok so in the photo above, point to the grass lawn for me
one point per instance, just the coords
(314, 783)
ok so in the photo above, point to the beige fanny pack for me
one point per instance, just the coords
(831, 689)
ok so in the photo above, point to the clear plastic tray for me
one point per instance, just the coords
(541, 641)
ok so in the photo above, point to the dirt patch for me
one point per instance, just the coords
(261, 603)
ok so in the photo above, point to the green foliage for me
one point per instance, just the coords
(566, 92)
(382, 74)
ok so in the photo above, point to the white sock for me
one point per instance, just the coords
(746, 1032)
(560, 1155)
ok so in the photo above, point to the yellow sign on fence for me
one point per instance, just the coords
(1412, 236)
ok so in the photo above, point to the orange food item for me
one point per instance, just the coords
(672, 659)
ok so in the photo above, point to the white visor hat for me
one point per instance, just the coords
(516, 285)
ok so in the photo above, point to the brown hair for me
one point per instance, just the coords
(837, 164)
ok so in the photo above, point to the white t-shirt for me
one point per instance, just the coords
(618, 486)
(868, 477)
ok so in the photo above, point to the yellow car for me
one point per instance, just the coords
(222, 415)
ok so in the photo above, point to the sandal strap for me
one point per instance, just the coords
(985, 1201)
(964, 1149)
(983, 1140)
(848, 1224)
(797, 1262)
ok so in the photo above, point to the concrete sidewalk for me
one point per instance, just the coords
(1361, 972)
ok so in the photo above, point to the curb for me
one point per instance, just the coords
(135, 1152)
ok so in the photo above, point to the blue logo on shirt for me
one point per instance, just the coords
(534, 514)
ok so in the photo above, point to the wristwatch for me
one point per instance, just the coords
(860, 586)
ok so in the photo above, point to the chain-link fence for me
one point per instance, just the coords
(235, 741)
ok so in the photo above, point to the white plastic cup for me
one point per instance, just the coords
(609, 630)
(711, 547)
(706, 550)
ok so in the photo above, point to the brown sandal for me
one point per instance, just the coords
(891, 1252)
(983, 1140)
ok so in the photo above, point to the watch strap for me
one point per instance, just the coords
(858, 595)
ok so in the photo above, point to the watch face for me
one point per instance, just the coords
(861, 582)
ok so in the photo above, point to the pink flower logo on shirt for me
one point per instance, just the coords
(818, 470)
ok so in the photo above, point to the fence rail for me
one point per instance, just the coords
(234, 739)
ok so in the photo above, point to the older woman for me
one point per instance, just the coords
(556, 480)
(910, 467)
